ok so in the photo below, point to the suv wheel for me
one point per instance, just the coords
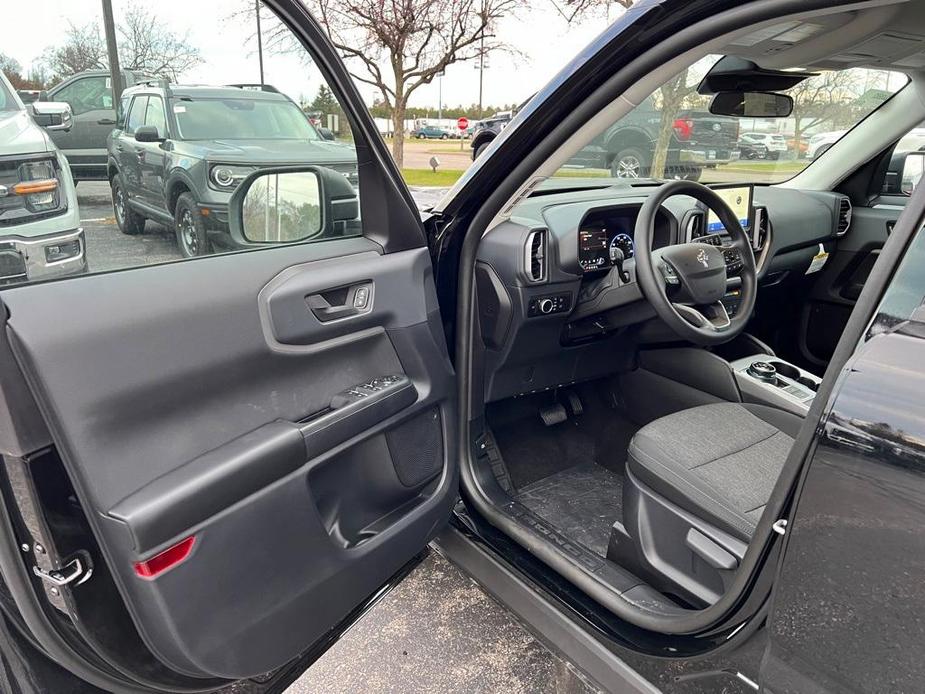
(129, 221)
(629, 163)
(480, 150)
(191, 231)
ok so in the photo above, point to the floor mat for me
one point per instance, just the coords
(582, 502)
(533, 451)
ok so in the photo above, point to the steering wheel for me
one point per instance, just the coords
(685, 282)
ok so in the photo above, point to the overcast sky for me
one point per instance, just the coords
(543, 40)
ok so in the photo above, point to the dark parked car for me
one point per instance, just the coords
(698, 141)
(180, 152)
(89, 94)
(679, 430)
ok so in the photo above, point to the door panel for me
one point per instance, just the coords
(209, 399)
(839, 284)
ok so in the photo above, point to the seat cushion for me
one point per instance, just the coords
(719, 462)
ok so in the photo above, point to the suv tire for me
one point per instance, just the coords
(192, 238)
(630, 162)
(480, 150)
(129, 221)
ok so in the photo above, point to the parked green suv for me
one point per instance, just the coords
(40, 234)
(178, 153)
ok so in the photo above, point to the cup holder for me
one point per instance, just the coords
(794, 374)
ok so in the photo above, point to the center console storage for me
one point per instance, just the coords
(768, 380)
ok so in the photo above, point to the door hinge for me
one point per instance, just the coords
(780, 526)
(73, 572)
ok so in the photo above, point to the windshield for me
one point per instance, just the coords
(672, 134)
(241, 119)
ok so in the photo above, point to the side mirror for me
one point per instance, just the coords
(910, 175)
(289, 204)
(53, 115)
(751, 105)
(326, 134)
(148, 133)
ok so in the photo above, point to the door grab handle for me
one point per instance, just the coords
(342, 302)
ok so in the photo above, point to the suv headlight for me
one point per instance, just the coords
(226, 177)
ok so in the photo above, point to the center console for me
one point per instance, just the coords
(768, 380)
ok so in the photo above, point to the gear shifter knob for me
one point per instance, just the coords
(762, 371)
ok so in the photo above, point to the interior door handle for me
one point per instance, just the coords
(342, 302)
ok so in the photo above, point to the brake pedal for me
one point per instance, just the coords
(553, 414)
(574, 404)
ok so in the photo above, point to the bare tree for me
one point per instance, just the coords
(145, 44)
(398, 46)
(572, 10)
(825, 98)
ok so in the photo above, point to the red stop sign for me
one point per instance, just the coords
(462, 123)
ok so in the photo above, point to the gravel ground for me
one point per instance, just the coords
(439, 632)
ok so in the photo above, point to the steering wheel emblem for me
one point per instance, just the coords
(702, 258)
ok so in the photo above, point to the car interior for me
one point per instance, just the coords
(647, 354)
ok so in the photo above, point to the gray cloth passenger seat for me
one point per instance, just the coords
(719, 462)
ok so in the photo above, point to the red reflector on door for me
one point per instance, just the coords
(165, 560)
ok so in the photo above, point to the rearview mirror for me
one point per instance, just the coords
(751, 105)
(53, 115)
(292, 204)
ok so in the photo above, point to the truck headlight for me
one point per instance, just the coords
(226, 177)
(38, 185)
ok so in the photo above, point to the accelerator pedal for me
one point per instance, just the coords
(574, 404)
(553, 414)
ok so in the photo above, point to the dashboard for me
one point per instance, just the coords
(557, 293)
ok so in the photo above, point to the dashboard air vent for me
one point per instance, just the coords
(535, 256)
(844, 217)
(695, 226)
(762, 228)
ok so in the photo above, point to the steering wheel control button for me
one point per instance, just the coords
(668, 272)
(548, 305)
(763, 371)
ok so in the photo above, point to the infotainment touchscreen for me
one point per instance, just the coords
(739, 199)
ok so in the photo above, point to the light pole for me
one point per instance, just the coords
(440, 96)
(259, 41)
(112, 49)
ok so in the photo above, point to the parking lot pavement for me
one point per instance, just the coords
(439, 632)
(110, 249)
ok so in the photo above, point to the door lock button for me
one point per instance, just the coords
(361, 298)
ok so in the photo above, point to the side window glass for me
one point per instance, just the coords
(136, 115)
(87, 94)
(224, 120)
(120, 113)
(155, 115)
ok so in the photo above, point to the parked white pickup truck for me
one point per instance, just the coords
(40, 234)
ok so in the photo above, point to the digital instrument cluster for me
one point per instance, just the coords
(600, 248)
